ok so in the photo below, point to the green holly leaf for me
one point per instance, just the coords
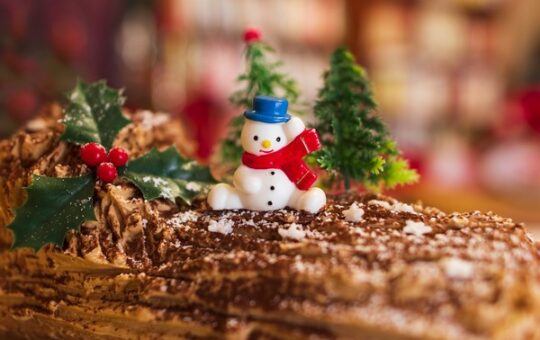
(168, 175)
(53, 207)
(94, 114)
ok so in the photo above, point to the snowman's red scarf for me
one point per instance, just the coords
(289, 159)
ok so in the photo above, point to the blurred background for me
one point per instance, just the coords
(457, 81)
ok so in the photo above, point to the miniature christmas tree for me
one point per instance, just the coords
(262, 77)
(356, 144)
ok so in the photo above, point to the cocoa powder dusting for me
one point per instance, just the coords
(401, 270)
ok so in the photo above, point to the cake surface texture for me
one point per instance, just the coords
(365, 267)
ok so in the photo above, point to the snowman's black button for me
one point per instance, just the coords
(269, 202)
(272, 172)
(272, 188)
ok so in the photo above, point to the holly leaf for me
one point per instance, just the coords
(53, 207)
(168, 175)
(94, 114)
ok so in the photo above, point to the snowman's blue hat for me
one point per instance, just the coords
(269, 110)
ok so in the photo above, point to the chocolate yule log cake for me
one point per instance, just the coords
(364, 266)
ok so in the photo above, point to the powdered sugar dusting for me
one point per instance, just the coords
(354, 213)
(402, 207)
(183, 217)
(457, 268)
(416, 228)
(294, 231)
(166, 191)
(223, 226)
(380, 203)
(149, 119)
(395, 207)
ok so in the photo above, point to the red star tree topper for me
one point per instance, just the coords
(252, 35)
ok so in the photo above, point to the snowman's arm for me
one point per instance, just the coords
(294, 127)
(245, 181)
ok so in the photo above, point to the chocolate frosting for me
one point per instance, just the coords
(156, 270)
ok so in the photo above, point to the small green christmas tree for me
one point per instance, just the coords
(262, 77)
(356, 144)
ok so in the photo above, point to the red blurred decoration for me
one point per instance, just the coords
(17, 14)
(521, 114)
(22, 103)
(206, 116)
(69, 38)
(18, 63)
(252, 35)
(47, 45)
(416, 158)
(530, 107)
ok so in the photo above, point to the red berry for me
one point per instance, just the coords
(252, 35)
(118, 156)
(106, 172)
(93, 154)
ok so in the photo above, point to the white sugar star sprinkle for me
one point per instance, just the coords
(223, 226)
(416, 228)
(354, 213)
(458, 269)
(294, 231)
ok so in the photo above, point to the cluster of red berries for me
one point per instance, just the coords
(95, 155)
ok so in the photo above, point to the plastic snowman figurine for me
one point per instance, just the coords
(273, 174)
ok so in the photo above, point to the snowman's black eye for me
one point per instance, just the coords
(255, 137)
(278, 139)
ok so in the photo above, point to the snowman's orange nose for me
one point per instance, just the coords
(266, 144)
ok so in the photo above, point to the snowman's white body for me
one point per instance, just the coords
(266, 189)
